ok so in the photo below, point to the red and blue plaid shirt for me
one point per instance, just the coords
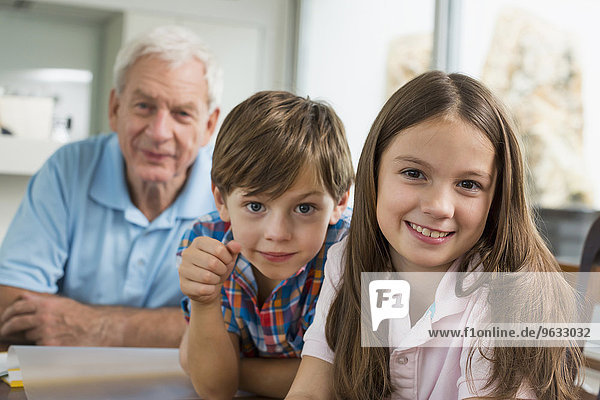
(275, 330)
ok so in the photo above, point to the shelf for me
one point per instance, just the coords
(20, 156)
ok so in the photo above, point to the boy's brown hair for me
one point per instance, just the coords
(266, 141)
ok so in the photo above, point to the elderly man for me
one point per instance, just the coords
(89, 258)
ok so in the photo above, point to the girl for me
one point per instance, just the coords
(440, 187)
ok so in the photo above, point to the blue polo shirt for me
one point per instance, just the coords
(77, 233)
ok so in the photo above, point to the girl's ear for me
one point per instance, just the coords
(220, 202)
(339, 209)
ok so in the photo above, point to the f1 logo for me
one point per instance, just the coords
(388, 299)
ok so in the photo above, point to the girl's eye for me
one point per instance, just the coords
(413, 174)
(255, 207)
(304, 209)
(469, 185)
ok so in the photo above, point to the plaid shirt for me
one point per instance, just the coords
(276, 330)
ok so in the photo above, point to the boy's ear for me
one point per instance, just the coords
(339, 209)
(220, 202)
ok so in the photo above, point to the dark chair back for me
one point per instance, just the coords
(589, 257)
(590, 254)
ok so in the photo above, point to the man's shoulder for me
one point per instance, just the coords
(81, 152)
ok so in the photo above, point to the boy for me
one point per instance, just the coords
(253, 270)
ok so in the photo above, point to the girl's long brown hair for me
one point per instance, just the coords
(510, 242)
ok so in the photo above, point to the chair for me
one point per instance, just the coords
(589, 257)
(591, 252)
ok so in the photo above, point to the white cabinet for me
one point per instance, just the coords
(20, 156)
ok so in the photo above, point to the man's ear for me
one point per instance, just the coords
(339, 209)
(113, 109)
(220, 202)
(211, 125)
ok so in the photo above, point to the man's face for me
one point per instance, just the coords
(162, 119)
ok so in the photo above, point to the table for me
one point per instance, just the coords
(167, 386)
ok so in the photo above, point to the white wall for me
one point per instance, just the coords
(342, 55)
(12, 189)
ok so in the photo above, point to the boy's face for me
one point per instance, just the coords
(279, 236)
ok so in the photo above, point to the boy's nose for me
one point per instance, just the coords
(278, 228)
(438, 203)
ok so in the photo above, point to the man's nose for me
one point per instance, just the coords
(160, 127)
(438, 202)
(278, 227)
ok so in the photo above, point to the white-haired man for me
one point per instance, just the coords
(89, 258)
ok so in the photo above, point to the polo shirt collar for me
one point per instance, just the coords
(193, 199)
(109, 187)
(445, 303)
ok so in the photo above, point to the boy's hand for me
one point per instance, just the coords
(205, 265)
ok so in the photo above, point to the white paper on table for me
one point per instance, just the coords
(3, 365)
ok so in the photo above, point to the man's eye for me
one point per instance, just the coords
(142, 105)
(254, 207)
(304, 209)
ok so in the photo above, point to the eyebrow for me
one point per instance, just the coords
(300, 197)
(477, 173)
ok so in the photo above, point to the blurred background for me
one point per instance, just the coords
(539, 56)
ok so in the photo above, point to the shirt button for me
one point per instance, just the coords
(140, 262)
(402, 360)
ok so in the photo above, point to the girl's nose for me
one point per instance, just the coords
(277, 228)
(438, 203)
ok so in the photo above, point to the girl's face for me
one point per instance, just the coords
(435, 186)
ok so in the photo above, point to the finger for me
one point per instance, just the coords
(199, 275)
(22, 306)
(197, 291)
(193, 258)
(234, 248)
(34, 335)
(213, 247)
(18, 324)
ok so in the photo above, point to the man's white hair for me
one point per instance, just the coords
(175, 45)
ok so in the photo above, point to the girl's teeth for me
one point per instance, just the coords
(428, 232)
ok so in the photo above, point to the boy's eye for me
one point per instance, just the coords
(304, 209)
(469, 185)
(255, 207)
(413, 174)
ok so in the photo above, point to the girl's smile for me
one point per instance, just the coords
(435, 187)
(429, 235)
